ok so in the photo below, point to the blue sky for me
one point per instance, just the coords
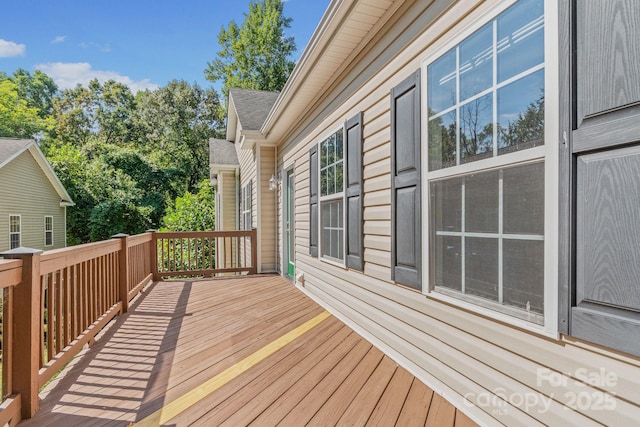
(142, 43)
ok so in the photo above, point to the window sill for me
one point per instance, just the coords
(493, 314)
(333, 261)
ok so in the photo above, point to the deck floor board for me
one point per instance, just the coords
(180, 334)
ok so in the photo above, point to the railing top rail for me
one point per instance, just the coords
(10, 272)
(139, 239)
(60, 258)
(9, 264)
(195, 234)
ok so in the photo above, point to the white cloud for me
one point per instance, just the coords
(9, 49)
(69, 75)
(101, 47)
(59, 39)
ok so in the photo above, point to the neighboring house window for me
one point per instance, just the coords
(332, 197)
(485, 165)
(15, 231)
(245, 207)
(48, 231)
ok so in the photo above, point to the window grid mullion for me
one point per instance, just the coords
(462, 241)
(457, 105)
(500, 238)
(494, 88)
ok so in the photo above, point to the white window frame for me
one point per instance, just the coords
(19, 232)
(48, 231)
(547, 152)
(332, 197)
(245, 211)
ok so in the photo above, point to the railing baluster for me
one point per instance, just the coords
(66, 316)
(205, 253)
(50, 310)
(43, 337)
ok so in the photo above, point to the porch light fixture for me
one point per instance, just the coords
(273, 182)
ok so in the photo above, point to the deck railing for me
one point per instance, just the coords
(204, 253)
(10, 278)
(56, 302)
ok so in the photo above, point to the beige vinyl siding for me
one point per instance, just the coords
(267, 212)
(26, 191)
(455, 352)
(248, 172)
(227, 188)
(228, 199)
(263, 207)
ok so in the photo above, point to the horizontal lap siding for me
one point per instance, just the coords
(248, 171)
(455, 352)
(27, 191)
(228, 197)
(267, 210)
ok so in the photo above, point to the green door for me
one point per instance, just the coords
(289, 226)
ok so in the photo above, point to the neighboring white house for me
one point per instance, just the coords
(34, 201)
(459, 182)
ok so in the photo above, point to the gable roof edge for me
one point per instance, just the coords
(38, 155)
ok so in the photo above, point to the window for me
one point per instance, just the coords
(48, 231)
(336, 184)
(14, 231)
(485, 165)
(332, 197)
(245, 207)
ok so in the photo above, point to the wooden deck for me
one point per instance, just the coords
(179, 349)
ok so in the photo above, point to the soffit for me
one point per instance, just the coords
(343, 32)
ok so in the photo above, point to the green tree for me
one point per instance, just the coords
(17, 119)
(175, 123)
(38, 90)
(192, 212)
(125, 158)
(153, 187)
(110, 197)
(99, 111)
(74, 120)
(256, 54)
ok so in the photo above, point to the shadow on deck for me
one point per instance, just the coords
(175, 357)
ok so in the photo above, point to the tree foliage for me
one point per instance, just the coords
(527, 129)
(38, 90)
(255, 54)
(102, 112)
(17, 119)
(192, 212)
(125, 158)
(175, 123)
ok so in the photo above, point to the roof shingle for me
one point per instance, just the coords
(9, 147)
(222, 152)
(252, 106)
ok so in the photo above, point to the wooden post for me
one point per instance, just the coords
(123, 280)
(254, 251)
(26, 330)
(154, 255)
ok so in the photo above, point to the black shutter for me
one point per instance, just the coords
(353, 192)
(405, 182)
(604, 299)
(313, 201)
